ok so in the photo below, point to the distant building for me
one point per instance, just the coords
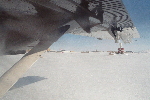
(95, 51)
(85, 52)
(129, 52)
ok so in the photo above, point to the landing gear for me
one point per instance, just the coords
(120, 50)
(115, 29)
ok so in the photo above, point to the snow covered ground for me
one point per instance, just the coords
(82, 76)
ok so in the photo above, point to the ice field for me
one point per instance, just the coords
(82, 76)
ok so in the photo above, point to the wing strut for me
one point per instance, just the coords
(10, 77)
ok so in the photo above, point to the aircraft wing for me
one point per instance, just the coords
(113, 13)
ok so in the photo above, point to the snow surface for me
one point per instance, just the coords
(82, 76)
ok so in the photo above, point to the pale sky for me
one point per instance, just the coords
(139, 11)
